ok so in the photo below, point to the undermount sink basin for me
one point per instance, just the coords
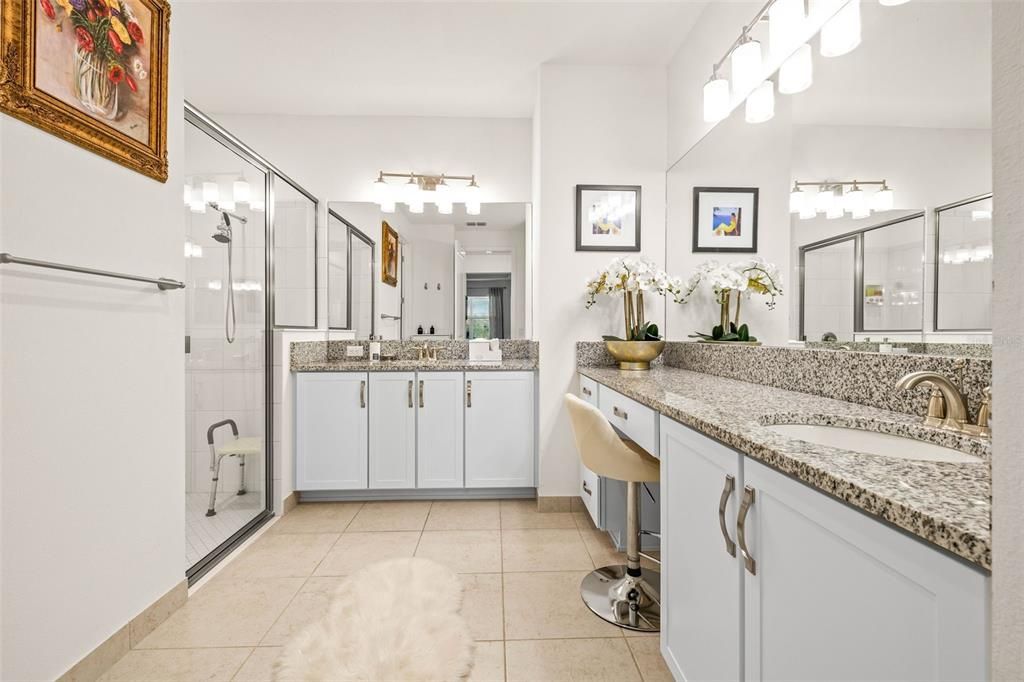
(871, 442)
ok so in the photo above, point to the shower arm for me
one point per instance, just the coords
(233, 216)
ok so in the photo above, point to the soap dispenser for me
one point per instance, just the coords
(431, 330)
(419, 330)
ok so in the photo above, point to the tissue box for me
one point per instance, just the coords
(485, 351)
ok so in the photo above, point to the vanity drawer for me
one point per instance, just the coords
(636, 421)
(588, 390)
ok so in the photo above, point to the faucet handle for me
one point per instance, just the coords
(985, 411)
(936, 408)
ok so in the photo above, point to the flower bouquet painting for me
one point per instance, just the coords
(731, 282)
(92, 72)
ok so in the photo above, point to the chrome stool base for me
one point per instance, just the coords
(630, 602)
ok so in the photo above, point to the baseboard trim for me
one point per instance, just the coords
(418, 494)
(289, 502)
(101, 659)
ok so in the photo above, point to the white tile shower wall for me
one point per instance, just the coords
(828, 293)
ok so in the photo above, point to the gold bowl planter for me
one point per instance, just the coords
(635, 355)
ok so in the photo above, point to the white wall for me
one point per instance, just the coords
(93, 519)
(1008, 342)
(735, 154)
(585, 137)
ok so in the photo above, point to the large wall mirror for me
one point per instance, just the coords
(859, 264)
(458, 276)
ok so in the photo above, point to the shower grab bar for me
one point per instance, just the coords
(162, 282)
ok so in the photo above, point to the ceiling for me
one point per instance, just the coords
(506, 216)
(424, 58)
(922, 64)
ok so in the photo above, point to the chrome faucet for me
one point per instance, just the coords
(947, 408)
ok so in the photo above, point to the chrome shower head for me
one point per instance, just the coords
(223, 233)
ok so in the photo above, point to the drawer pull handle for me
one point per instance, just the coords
(730, 486)
(469, 394)
(622, 414)
(586, 391)
(362, 394)
(410, 394)
(421, 393)
(586, 489)
(741, 529)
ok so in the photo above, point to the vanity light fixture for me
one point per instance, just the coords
(786, 26)
(211, 193)
(761, 103)
(746, 64)
(420, 189)
(797, 73)
(841, 33)
(716, 98)
(833, 201)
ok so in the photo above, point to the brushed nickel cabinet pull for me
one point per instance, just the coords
(741, 529)
(362, 394)
(586, 489)
(622, 414)
(421, 392)
(586, 391)
(469, 394)
(410, 394)
(730, 486)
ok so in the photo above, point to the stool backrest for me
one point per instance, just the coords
(601, 448)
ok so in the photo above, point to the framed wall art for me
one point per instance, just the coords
(92, 72)
(388, 255)
(725, 219)
(607, 217)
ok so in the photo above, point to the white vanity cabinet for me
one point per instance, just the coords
(828, 593)
(392, 431)
(331, 431)
(499, 430)
(439, 439)
(590, 483)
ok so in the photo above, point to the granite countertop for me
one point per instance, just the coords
(948, 504)
(461, 365)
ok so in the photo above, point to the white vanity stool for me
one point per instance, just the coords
(239, 447)
(627, 596)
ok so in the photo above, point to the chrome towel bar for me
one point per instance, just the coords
(385, 316)
(162, 282)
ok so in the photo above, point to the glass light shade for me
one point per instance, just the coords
(797, 72)
(861, 212)
(411, 192)
(472, 208)
(761, 103)
(785, 26)
(797, 201)
(211, 193)
(855, 201)
(415, 206)
(808, 212)
(197, 205)
(716, 100)
(883, 200)
(380, 190)
(823, 200)
(835, 211)
(387, 206)
(443, 191)
(841, 33)
(471, 194)
(444, 207)
(746, 66)
(892, 3)
(226, 204)
(258, 205)
(241, 191)
(187, 194)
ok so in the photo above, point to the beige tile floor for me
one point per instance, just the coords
(520, 570)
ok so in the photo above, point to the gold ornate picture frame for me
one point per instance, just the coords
(389, 255)
(92, 72)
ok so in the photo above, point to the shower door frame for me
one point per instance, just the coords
(206, 125)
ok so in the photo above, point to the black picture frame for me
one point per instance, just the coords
(580, 189)
(697, 191)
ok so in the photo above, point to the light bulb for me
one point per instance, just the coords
(785, 26)
(883, 199)
(211, 193)
(841, 33)
(241, 191)
(797, 200)
(761, 103)
(387, 206)
(187, 194)
(716, 100)
(797, 72)
(746, 66)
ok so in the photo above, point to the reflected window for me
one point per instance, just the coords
(963, 248)
(478, 317)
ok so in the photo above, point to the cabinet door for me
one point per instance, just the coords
(440, 435)
(330, 431)
(838, 595)
(701, 580)
(392, 430)
(499, 430)
(590, 483)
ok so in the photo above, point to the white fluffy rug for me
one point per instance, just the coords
(395, 620)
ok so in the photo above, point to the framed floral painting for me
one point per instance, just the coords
(93, 72)
(389, 255)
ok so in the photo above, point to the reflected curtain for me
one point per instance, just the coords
(497, 306)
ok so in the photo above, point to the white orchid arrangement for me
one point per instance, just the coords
(634, 277)
(745, 278)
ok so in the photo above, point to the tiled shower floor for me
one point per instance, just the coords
(203, 534)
